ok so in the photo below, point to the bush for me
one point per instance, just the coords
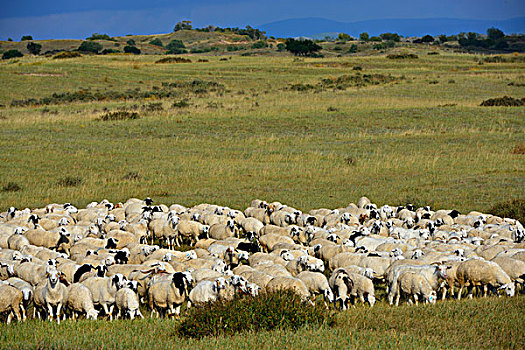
(90, 46)
(173, 60)
(402, 56)
(352, 49)
(180, 104)
(66, 54)
(281, 47)
(119, 115)
(70, 181)
(132, 49)
(390, 37)
(302, 47)
(97, 36)
(11, 54)
(514, 209)
(108, 51)
(34, 48)
(505, 101)
(364, 36)
(427, 39)
(11, 187)
(183, 25)
(156, 42)
(26, 37)
(131, 42)
(259, 44)
(278, 310)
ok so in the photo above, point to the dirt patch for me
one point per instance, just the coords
(518, 149)
(504, 101)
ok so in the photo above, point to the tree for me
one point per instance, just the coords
(427, 39)
(97, 36)
(302, 47)
(352, 49)
(281, 47)
(375, 38)
(90, 46)
(34, 48)
(26, 37)
(183, 25)
(11, 54)
(495, 34)
(390, 37)
(442, 38)
(131, 42)
(176, 47)
(364, 36)
(344, 37)
(156, 42)
(132, 49)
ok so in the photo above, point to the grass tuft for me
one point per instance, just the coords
(11, 187)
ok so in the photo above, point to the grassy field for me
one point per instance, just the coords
(493, 323)
(234, 129)
(421, 138)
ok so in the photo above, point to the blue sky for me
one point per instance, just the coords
(78, 19)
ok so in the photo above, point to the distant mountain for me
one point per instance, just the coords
(311, 27)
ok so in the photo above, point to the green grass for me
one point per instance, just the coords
(257, 138)
(491, 323)
(423, 138)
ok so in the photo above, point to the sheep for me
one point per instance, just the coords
(260, 278)
(169, 295)
(362, 287)
(477, 272)
(252, 225)
(51, 295)
(289, 283)
(221, 231)
(80, 301)
(435, 274)
(317, 283)
(11, 300)
(33, 273)
(54, 240)
(416, 285)
(165, 230)
(123, 238)
(341, 285)
(207, 291)
(364, 271)
(103, 290)
(17, 240)
(192, 230)
(268, 241)
(25, 288)
(127, 303)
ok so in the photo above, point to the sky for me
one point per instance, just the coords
(63, 19)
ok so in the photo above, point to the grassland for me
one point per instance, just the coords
(493, 323)
(422, 138)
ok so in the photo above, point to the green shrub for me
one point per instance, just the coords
(97, 36)
(402, 56)
(180, 104)
(132, 49)
(26, 37)
(90, 46)
(259, 44)
(278, 310)
(131, 42)
(173, 60)
(11, 187)
(281, 47)
(352, 49)
(70, 181)
(108, 51)
(34, 48)
(11, 54)
(66, 54)
(514, 209)
(156, 42)
(119, 115)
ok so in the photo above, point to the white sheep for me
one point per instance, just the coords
(103, 290)
(482, 273)
(169, 295)
(11, 300)
(51, 295)
(416, 285)
(317, 283)
(80, 301)
(127, 303)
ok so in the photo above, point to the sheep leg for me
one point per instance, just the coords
(470, 291)
(397, 299)
(24, 316)
(59, 306)
(416, 299)
(50, 312)
(9, 317)
(459, 292)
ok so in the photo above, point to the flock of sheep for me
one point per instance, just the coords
(101, 261)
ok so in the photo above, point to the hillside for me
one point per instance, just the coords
(192, 39)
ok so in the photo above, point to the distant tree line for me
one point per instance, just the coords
(252, 33)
